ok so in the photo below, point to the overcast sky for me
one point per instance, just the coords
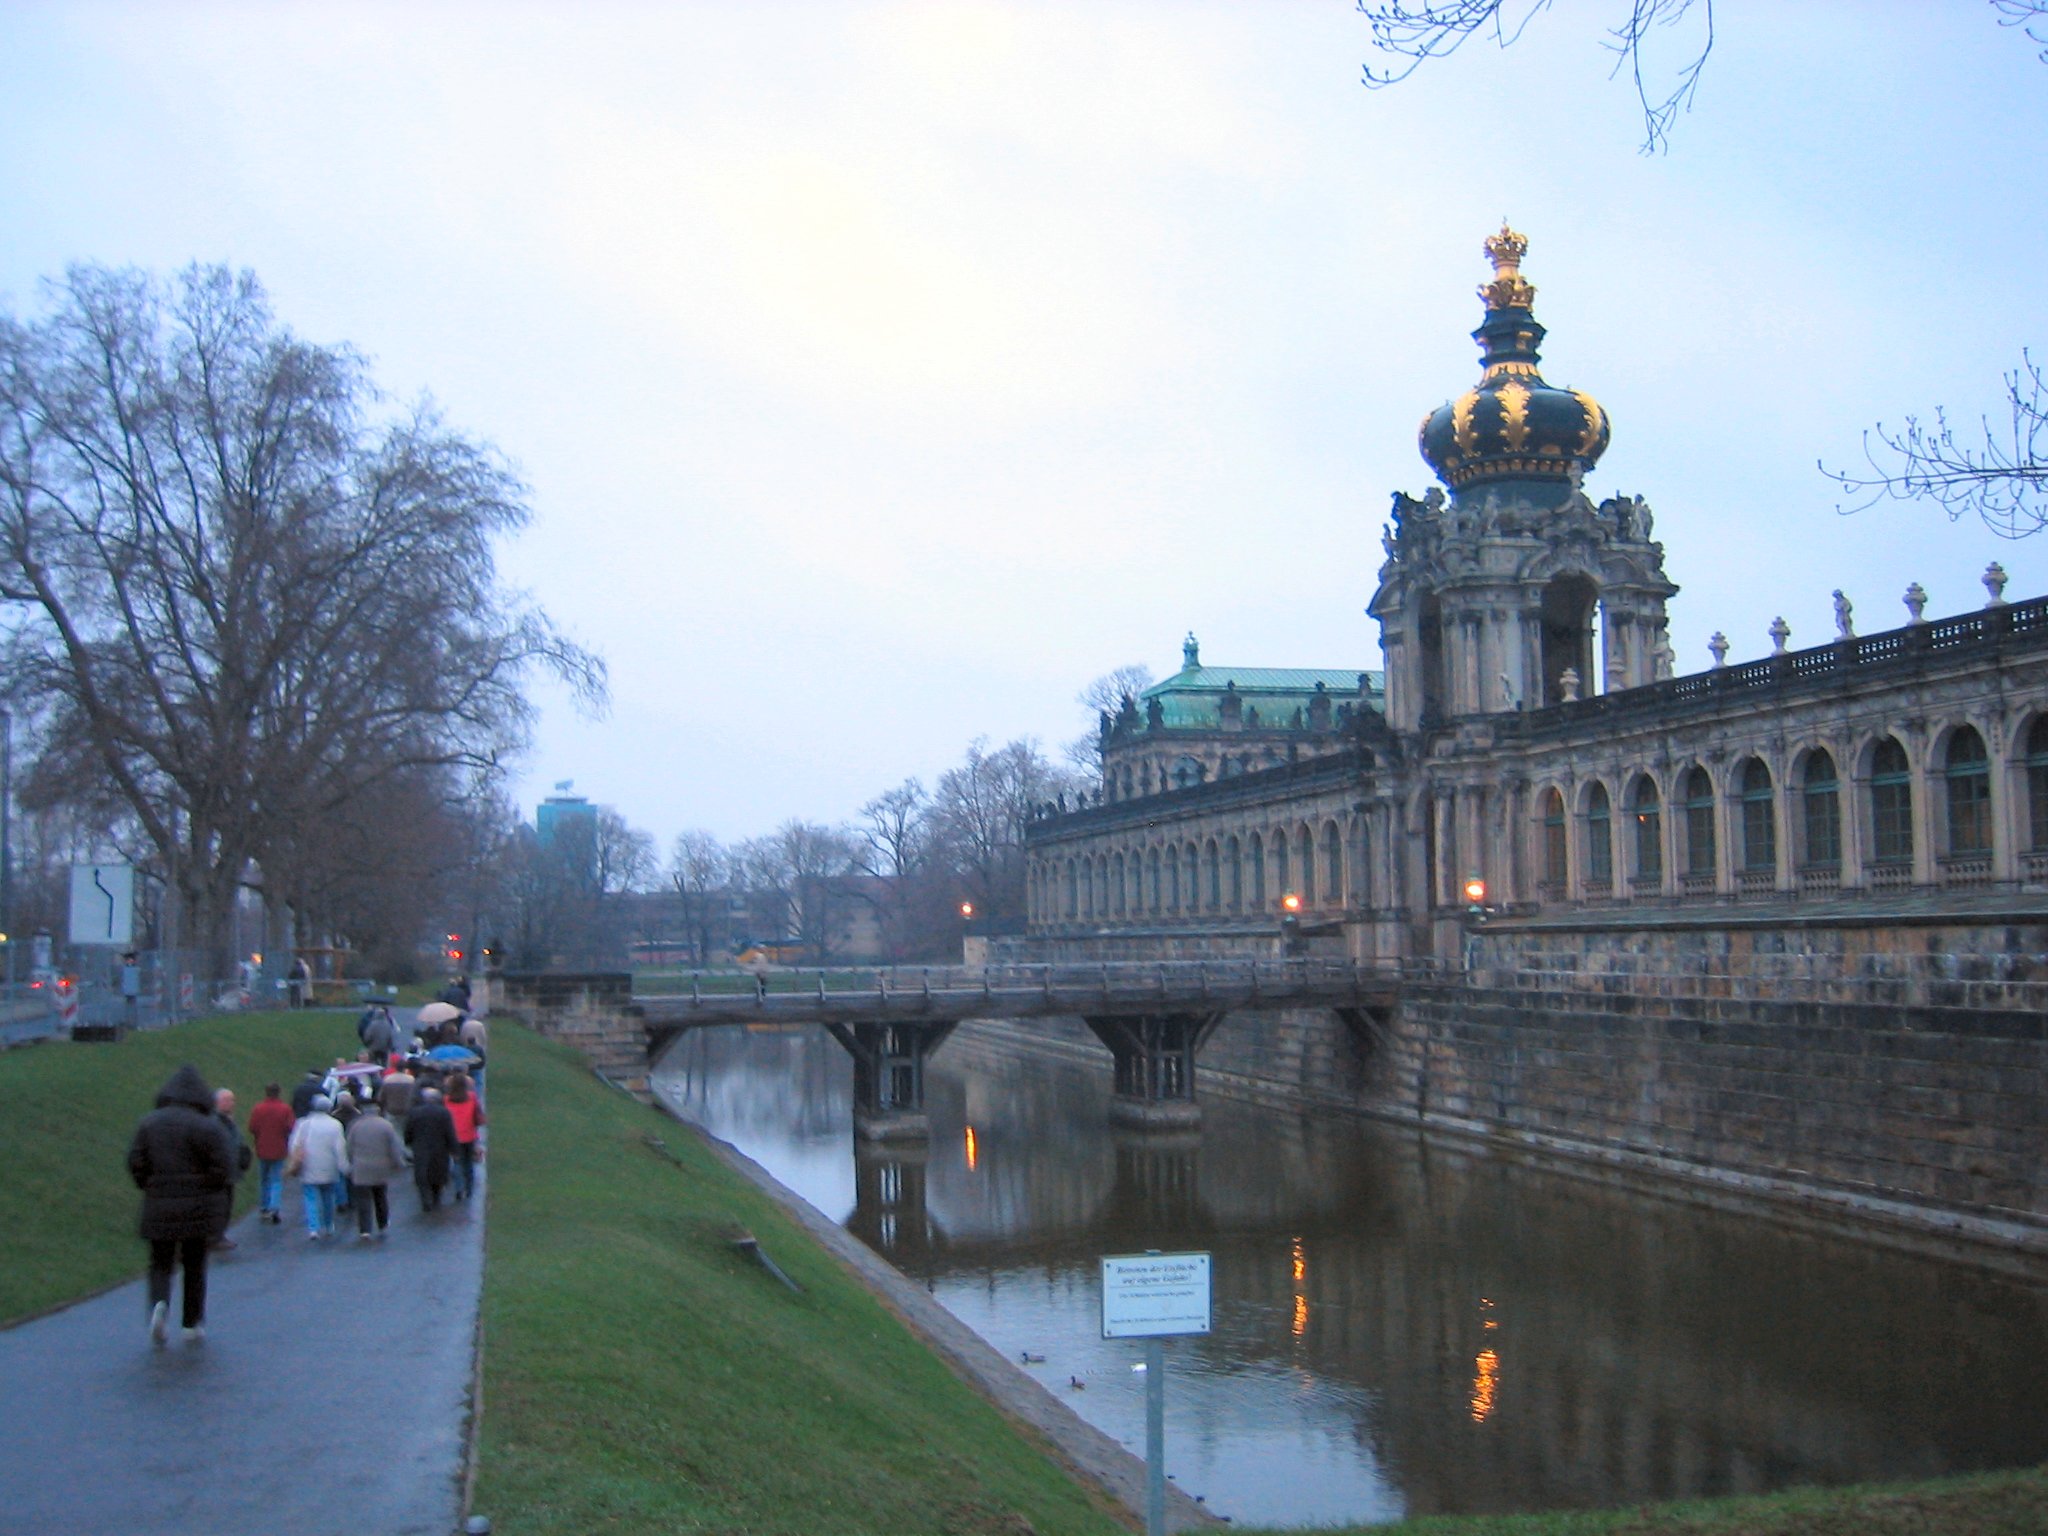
(884, 372)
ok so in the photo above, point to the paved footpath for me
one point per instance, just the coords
(331, 1394)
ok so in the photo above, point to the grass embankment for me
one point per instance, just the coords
(642, 1375)
(67, 1113)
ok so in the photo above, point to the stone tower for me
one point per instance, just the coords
(1515, 591)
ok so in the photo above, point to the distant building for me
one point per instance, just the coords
(560, 810)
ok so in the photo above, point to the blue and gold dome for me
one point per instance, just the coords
(1512, 426)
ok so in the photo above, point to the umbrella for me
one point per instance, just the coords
(357, 1069)
(439, 1013)
(453, 1056)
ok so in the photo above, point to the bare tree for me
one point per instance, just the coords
(700, 869)
(761, 871)
(982, 808)
(1104, 696)
(1434, 29)
(2003, 481)
(912, 886)
(818, 859)
(239, 591)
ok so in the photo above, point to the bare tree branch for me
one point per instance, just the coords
(1437, 28)
(2004, 481)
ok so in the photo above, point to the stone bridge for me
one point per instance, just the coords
(1153, 1018)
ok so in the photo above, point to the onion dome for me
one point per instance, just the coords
(1512, 426)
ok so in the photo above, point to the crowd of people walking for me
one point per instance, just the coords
(345, 1132)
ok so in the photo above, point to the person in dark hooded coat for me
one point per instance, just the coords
(430, 1135)
(179, 1160)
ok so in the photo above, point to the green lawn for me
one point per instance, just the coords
(640, 1375)
(67, 1113)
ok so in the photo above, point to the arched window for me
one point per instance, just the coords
(2037, 785)
(1759, 820)
(1891, 804)
(1556, 867)
(1968, 772)
(1117, 886)
(1194, 870)
(1821, 801)
(1599, 838)
(1361, 872)
(1215, 878)
(1073, 889)
(1333, 865)
(1305, 856)
(1646, 812)
(1235, 858)
(1698, 789)
(1258, 857)
(1152, 869)
(1172, 862)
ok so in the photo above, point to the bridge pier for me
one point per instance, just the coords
(1155, 1066)
(888, 1075)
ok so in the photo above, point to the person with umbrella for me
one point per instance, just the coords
(438, 1022)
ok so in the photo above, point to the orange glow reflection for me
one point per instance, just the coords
(1485, 1384)
(972, 1156)
(1300, 1290)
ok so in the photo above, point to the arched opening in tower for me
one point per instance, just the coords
(1571, 606)
(1430, 636)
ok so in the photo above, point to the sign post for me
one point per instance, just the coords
(1151, 1296)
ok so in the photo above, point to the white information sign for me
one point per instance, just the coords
(103, 904)
(1150, 1295)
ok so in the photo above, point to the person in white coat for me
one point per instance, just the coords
(319, 1156)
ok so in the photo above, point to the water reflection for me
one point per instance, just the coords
(1400, 1327)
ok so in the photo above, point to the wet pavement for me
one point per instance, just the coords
(331, 1393)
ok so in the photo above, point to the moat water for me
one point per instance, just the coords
(1401, 1326)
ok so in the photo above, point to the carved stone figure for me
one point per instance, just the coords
(1845, 617)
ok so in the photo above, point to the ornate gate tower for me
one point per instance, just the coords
(1515, 591)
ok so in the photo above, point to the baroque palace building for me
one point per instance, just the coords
(1527, 734)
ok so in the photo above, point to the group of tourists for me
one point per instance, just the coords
(346, 1132)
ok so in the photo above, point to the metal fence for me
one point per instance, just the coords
(91, 997)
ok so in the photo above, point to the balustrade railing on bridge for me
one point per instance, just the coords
(1153, 1017)
(1032, 988)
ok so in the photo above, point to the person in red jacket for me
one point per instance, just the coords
(467, 1111)
(270, 1127)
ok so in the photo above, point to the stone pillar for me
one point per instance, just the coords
(1925, 862)
(1155, 1067)
(888, 1076)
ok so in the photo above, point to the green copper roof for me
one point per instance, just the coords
(1252, 682)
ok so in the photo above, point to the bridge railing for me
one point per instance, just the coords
(1070, 981)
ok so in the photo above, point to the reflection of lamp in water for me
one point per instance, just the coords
(1300, 1290)
(972, 1158)
(1485, 1373)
